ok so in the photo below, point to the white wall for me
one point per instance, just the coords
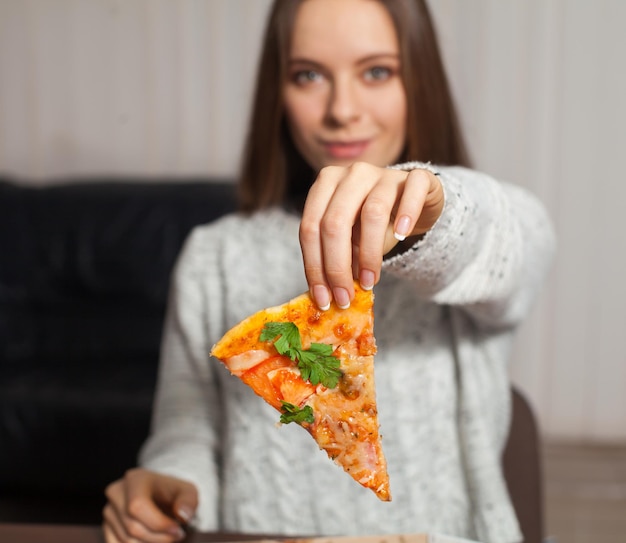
(541, 85)
(129, 86)
(162, 87)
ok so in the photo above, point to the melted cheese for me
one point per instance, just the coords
(346, 424)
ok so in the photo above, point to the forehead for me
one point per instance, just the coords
(335, 29)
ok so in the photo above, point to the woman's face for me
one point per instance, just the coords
(344, 97)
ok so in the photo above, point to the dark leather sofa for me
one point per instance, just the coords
(84, 272)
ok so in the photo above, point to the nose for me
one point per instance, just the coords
(343, 103)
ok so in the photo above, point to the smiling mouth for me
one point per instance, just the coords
(346, 149)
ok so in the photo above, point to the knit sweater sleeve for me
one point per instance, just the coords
(488, 253)
(186, 422)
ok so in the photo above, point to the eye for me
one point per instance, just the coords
(377, 73)
(306, 77)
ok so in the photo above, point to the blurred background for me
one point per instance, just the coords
(162, 87)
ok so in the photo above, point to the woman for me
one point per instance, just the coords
(345, 89)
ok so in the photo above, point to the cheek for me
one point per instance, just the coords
(303, 120)
(301, 115)
(299, 132)
(401, 129)
(392, 113)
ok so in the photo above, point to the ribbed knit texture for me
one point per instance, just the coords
(445, 313)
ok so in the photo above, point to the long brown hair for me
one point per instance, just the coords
(273, 171)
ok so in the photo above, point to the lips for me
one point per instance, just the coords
(346, 149)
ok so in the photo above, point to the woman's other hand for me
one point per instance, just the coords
(355, 215)
(145, 506)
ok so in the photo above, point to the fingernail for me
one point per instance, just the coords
(367, 278)
(321, 297)
(177, 532)
(342, 298)
(402, 228)
(185, 514)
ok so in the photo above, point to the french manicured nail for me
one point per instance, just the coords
(342, 298)
(402, 228)
(367, 278)
(185, 514)
(321, 297)
(177, 532)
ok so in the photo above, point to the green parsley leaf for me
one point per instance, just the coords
(318, 367)
(292, 413)
(316, 364)
(288, 342)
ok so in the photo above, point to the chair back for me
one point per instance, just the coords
(522, 469)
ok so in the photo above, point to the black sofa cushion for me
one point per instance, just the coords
(84, 275)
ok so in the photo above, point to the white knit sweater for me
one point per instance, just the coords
(445, 314)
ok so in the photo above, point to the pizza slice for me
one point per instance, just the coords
(317, 368)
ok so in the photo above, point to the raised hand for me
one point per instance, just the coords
(355, 215)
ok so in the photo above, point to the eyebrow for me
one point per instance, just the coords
(364, 60)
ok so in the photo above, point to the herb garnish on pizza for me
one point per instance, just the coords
(317, 368)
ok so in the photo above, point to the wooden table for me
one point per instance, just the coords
(59, 533)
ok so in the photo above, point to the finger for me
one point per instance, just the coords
(356, 235)
(375, 223)
(336, 230)
(139, 531)
(433, 206)
(113, 512)
(113, 526)
(109, 535)
(149, 506)
(343, 218)
(186, 503)
(129, 528)
(390, 240)
(310, 235)
(411, 204)
(420, 206)
(131, 508)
